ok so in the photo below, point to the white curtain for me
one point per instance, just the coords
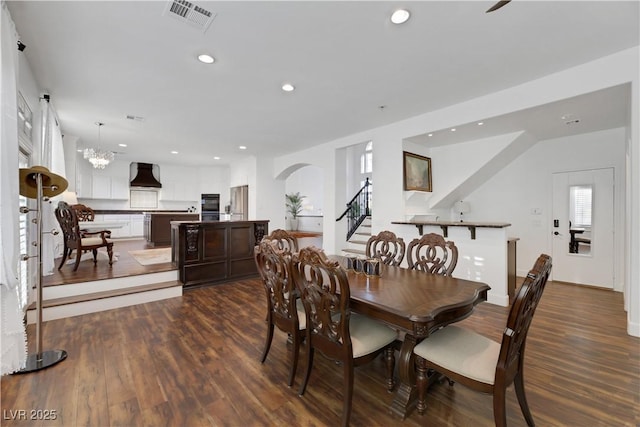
(51, 157)
(13, 337)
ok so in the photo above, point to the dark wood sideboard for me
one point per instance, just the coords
(213, 252)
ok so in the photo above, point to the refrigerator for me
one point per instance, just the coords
(239, 203)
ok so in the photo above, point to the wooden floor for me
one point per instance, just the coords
(194, 361)
(125, 265)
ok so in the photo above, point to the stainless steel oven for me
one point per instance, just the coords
(210, 207)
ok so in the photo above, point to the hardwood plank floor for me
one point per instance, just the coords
(87, 271)
(194, 361)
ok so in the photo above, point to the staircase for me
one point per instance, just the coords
(357, 243)
(61, 301)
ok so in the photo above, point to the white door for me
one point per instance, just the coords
(583, 231)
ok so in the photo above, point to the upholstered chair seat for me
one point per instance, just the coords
(368, 336)
(463, 351)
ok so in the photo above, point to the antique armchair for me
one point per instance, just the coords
(78, 240)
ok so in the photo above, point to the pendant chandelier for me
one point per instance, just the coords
(98, 157)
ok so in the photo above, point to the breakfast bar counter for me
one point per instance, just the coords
(210, 252)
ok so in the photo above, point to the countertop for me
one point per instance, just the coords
(131, 212)
(170, 213)
(457, 223)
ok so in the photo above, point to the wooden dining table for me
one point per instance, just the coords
(416, 304)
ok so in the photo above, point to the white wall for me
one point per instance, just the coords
(605, 72)
(526, 183)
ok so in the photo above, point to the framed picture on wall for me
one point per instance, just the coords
(417, 172)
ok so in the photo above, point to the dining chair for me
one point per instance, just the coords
(284, 308)
(432, 254)
(332, 328)
(80, 240)
(387, 247)
(480, 363)
(284, 239)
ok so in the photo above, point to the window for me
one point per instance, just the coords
(23, 162)
(581, 196)
(366, 159)
(25, 117)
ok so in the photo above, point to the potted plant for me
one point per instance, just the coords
(294, 207)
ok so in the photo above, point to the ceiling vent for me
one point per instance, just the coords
(190, 13)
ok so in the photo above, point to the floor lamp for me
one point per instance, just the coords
(39, 183)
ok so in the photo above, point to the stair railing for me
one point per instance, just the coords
(357, 209)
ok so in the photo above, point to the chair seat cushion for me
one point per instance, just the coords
(463, 351)
(92, 241)
(367, 335)
(302, 317)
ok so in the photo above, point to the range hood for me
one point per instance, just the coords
(145, 176)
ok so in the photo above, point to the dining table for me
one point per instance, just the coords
(416, 304)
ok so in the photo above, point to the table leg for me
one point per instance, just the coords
(406, 396)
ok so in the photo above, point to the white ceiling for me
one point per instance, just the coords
(102, 61)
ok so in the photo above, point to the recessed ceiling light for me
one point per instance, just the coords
(242, 147)
(288, 87)
(400, 16)
(216, 158)
(453, 129)
(206, 59)
(79, 150)
(174, 152)
(480, 123)
(122, 145)
(430, 134)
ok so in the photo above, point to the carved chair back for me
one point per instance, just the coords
(274, 266)
(324, 290)
(432, 254)
(387, 247)
(284, 239)
(68, 219)
(84, 213)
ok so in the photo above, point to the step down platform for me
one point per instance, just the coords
(123, 293)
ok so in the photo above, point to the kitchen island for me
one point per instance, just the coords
(157, 226)
(210, 252)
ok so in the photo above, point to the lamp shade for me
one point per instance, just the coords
(52, 184)
(70, 197)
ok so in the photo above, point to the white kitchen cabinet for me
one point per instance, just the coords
(125, 230)
(109, 188)
(100, 187)
(83, 185)
(179, 192)
(137, 225)
(119, 188)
